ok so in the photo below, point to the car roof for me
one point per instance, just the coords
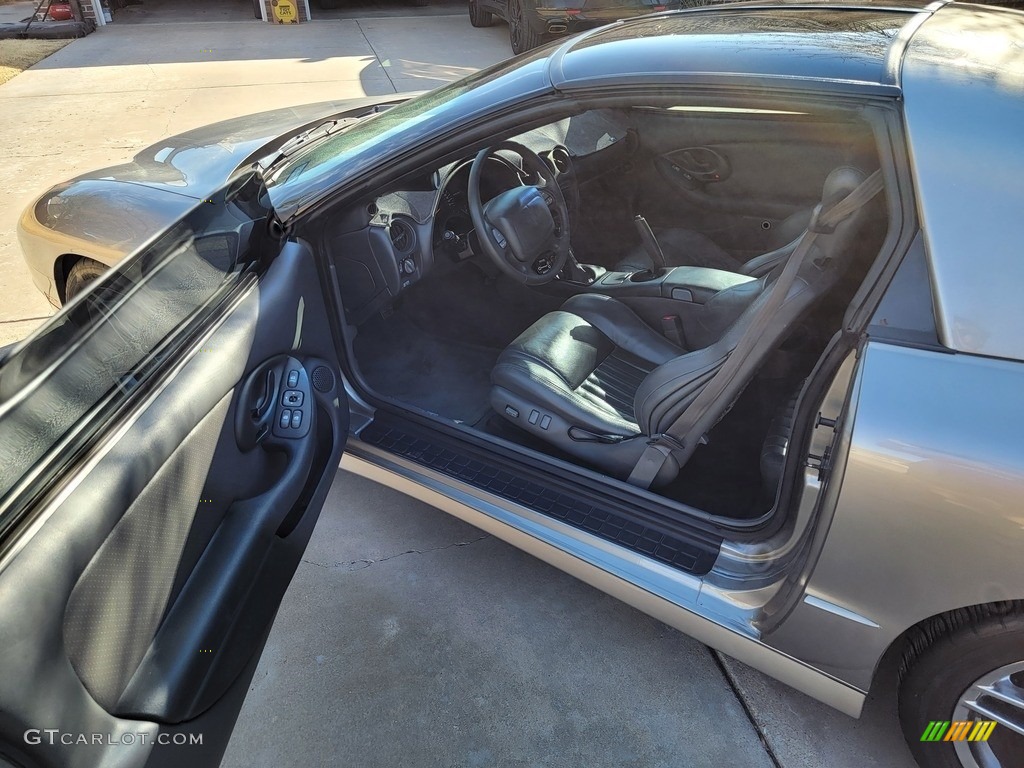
(828, 45)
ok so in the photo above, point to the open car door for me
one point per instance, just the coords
(166, 445)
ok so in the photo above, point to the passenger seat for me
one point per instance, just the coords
(688, 248)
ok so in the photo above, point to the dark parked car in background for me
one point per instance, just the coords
(532, 22)
(718, 311)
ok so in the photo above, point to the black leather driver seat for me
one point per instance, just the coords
(594, 380)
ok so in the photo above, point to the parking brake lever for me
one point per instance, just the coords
(653, 250)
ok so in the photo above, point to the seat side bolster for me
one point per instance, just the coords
(759, 266)
(671, 387)
(720, 312)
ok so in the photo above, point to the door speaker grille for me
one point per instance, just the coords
(323, 378)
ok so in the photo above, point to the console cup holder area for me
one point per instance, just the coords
(694, 284)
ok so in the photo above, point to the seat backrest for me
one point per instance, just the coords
(671, 387)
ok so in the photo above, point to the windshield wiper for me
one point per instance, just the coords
(296, 143)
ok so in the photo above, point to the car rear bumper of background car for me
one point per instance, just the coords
(571, 17)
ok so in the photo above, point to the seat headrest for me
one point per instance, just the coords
(840, 183)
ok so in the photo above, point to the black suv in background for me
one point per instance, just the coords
(532, 22)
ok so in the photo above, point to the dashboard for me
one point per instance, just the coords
(403, 234)
(386, 244)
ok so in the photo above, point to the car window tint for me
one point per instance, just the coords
(581, 134)
(60, 385)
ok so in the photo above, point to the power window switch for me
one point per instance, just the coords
(545, 422)
(511, 412)
(296, 419)
(293, 379)
(534, 416)
(286, 418)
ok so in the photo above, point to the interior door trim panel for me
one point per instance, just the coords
(242, 517)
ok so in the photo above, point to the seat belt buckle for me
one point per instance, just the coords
(672, 329)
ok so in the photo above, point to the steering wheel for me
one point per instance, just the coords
(525, 231)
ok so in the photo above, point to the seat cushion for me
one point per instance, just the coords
(582, 364)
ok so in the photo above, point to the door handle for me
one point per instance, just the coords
(266, 399)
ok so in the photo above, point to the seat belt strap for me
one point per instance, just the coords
(682, 436)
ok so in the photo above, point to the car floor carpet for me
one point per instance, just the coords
(400, 361)
(464, 304)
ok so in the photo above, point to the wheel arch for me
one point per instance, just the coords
(61, 269)
(917, 638)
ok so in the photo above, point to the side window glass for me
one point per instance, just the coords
(58, 388)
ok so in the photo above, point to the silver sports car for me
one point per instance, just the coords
(718, 311)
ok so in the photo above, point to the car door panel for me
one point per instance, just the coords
(141, 595)
(737, 178)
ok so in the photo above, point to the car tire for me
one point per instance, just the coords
(80, 276)
(479, 17)
(944, 662)
(520, 34)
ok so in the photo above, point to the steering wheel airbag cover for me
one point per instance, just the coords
(525, 241)
(524, 219)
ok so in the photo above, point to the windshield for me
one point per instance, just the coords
(309, 173)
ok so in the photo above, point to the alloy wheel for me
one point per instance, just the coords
(998, 696)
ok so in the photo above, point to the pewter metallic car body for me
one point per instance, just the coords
(927, 518)
(109, 213)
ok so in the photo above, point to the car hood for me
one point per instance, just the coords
(198, 162)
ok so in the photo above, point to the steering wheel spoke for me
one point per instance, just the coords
(499, 239)
(525, 230)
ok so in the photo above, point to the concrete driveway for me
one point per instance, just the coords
(101, 99)
(407, 637)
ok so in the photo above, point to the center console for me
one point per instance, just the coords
(680, 301)
(691, 284)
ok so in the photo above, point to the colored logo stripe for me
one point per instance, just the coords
(935, 731)
(982, 730)
(958, 730)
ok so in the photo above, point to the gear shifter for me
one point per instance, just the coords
(653, 250)
(585, 274)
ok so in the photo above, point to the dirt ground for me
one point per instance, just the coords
(18, 55)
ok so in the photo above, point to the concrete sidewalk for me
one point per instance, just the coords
(104, 97)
